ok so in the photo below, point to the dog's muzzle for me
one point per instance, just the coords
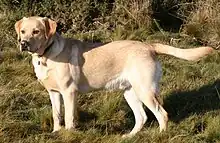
(24, 45)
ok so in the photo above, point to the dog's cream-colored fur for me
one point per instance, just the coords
(67, 66)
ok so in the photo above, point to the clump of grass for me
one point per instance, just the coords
(132, 14)
(203, 23)
(211, 134)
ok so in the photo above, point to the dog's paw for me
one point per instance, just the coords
(56, 129)
(125, 136)
(71, 129)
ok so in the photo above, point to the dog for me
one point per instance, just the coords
(68, 66)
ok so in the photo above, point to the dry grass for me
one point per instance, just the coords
(203, 22)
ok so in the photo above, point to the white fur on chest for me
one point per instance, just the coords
(40, 70)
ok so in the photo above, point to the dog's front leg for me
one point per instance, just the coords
(55, 101)
(70, 105)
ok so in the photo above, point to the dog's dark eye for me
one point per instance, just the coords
(22, 31)
(36, 32)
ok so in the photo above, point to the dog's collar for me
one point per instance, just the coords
(47, 49)
(42, 59)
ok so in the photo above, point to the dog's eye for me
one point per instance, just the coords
(22, 31)
(36, 32)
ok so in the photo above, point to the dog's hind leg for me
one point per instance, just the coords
(150, 100)
(145, 81)
(137, 108)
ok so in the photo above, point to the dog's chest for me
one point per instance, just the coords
(40, 70)
(45, 73)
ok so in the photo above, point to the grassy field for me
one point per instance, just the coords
(190, 91)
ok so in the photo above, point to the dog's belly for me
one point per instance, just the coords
(117, 83)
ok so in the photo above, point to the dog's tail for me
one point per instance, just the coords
(187, 54)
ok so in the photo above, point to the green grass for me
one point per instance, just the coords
(189, 90)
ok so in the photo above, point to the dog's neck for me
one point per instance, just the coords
(42, 57)
(52, 49)
(47, 49)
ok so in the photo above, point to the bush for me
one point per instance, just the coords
(108, 20)
(78, 16)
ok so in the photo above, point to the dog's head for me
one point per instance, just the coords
(34, 33)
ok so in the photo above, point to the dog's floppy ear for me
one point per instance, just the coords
(18, 27)
(50, 26)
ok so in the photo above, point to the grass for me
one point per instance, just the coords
(189, 90)
(203, 22)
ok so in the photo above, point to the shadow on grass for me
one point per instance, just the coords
(181, 105)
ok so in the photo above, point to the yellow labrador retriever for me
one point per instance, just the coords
(67, 66)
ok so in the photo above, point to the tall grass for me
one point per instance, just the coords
(203, 22)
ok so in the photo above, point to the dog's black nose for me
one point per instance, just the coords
(24, 45)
